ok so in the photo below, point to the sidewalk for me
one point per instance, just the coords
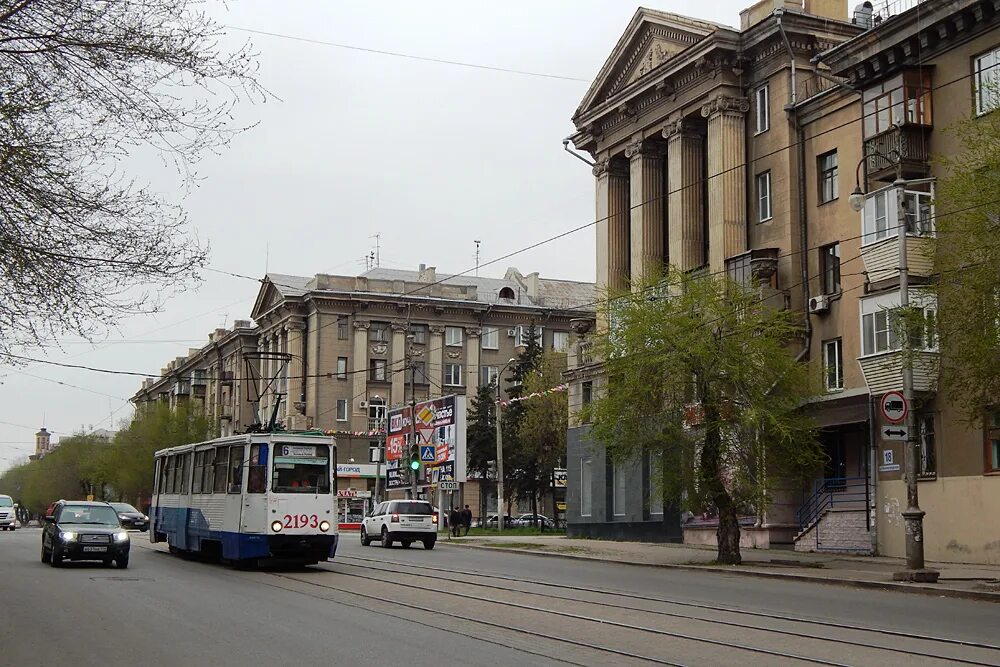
(980, 582)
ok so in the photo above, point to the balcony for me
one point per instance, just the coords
(882, 257)
(880, 222)
(883, 372)
(226, 379)
(909, 141)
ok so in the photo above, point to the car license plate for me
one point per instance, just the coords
(95, 548)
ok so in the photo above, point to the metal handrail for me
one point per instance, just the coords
(830, 492)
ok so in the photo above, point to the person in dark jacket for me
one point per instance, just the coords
(455, 521)
(467, 519)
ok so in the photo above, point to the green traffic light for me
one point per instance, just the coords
(414, 465)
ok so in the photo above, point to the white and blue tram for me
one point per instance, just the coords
(248, 497)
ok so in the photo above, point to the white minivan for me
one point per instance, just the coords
(8, 517)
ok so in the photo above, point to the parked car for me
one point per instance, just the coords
(8, 516)
(82, 530)
(528, 520)
(403, 521)
(131, 517)
(491, 521)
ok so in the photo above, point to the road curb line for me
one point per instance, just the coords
(982, 596)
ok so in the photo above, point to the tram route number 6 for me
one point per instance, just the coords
(301, 521)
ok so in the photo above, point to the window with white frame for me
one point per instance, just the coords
(763, 106)
(586, 493)
(341, 368)
(490, 338)
(521, 336)
(453, 375)
(764, 196)
(833, 364)
(987, 81)
(342, 409)
(919, 216)
(453, 336)
(377, 370)
(618, 489)
(880, 218)
(419, 333)
(488, 375)
(560, 341)
(880, 326)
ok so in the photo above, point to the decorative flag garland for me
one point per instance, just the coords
(535, 394)
(356, 434)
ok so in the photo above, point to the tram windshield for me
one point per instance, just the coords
(301, 468)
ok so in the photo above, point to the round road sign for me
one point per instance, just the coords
(894, 406)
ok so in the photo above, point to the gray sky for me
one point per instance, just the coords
(429, 155)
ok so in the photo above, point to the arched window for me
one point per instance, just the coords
(506, 293)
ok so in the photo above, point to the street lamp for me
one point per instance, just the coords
(913, 516)
(380, 446)
(500, 515)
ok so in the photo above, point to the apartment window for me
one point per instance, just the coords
(927, 454)
(560, 341)
(378, 332)
(417, 372)
(419, 333)
(342, 409)
(988, 81)
(833, 364)
(453, 336)
(490, 339)
(521, 336)
(763, 110)
(618, 489)
(764, 196)
(453, 375)
(827, 164)
(488, 375)
(899, 100)
(341, 328)
(376, 370)
(879, 332)
(830, 261)
(587, 389)
(876, 217)
(586, 492)
(341, 368)
(918, 212)
(993, 441)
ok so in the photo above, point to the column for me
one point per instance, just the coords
(435, 363)
(472, 359)
(646, 198)
(359, 386)
(296, 369)
(397, 366)
(612, 224)
(727, 221)
(686, 208)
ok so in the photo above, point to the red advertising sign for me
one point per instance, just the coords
(394, 445)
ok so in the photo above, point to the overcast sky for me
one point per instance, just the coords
(431, 156)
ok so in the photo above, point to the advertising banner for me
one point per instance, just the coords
(440, 423)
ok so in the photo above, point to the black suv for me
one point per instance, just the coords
(81, 530)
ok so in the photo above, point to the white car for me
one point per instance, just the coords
(403, 521)
(8, 515)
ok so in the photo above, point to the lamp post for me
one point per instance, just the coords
(913, 516)
(500, 514)
(379, 447)
(413, 415)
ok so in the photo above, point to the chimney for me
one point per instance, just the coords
(241, 324)
(427, 274)
(533, 285)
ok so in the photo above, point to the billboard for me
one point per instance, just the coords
(439, 423)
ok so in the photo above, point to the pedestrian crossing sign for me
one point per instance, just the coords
(427, 453)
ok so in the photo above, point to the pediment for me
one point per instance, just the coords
(267, 298)
(651, 40)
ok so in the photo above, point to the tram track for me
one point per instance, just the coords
(910, 637)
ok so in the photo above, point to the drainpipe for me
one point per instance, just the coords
(577, 156)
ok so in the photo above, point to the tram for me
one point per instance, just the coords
(251, 497)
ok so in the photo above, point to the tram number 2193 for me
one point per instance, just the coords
(301, 521)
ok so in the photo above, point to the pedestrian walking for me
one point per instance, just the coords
(467, 519)
(456, 522)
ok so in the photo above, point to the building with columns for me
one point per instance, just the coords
(350, 357)
(719, 149)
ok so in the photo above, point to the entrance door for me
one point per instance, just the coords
(836, 464)
(254, 519)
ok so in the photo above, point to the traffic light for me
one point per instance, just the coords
(414, 457)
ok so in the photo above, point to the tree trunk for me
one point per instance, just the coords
(728, 534)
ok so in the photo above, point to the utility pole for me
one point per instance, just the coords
(413, 414)
(913, 516)
(379, 448)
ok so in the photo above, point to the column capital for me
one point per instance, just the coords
(609, 166)
(436, 328)
(399, 327)
(680, 128)
(645, 148)
(725, 104)
(295, 325)
(473, 332)
(361, 325)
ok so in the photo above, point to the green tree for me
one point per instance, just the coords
(542, 435)
(513, 413)
(700, 378)
(966, 260)
(481, 439)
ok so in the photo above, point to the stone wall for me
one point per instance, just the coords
(837, 531)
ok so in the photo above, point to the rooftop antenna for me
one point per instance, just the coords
(267, 256)
(378, 237)
(477, 242)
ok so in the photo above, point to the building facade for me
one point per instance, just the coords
(723, 150)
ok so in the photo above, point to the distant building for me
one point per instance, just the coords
(43, 444)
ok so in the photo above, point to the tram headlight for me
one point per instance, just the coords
(324, 526)
(276, 526)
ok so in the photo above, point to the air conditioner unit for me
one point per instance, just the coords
(363, 405)
(511, 333)
(819, 304)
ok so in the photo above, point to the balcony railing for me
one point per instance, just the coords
(883, 371)
(881, 10)
(908, 141)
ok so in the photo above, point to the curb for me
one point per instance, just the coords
(982, 596)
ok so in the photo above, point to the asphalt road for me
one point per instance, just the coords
(455, 605)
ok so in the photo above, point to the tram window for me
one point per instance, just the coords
(301, 469)
(221, 463)
(257, 480)
(185, 471)
(169, 486)
(207, 471)
(199, 462)
(235, 469)
(156, 477)
(175, 487)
